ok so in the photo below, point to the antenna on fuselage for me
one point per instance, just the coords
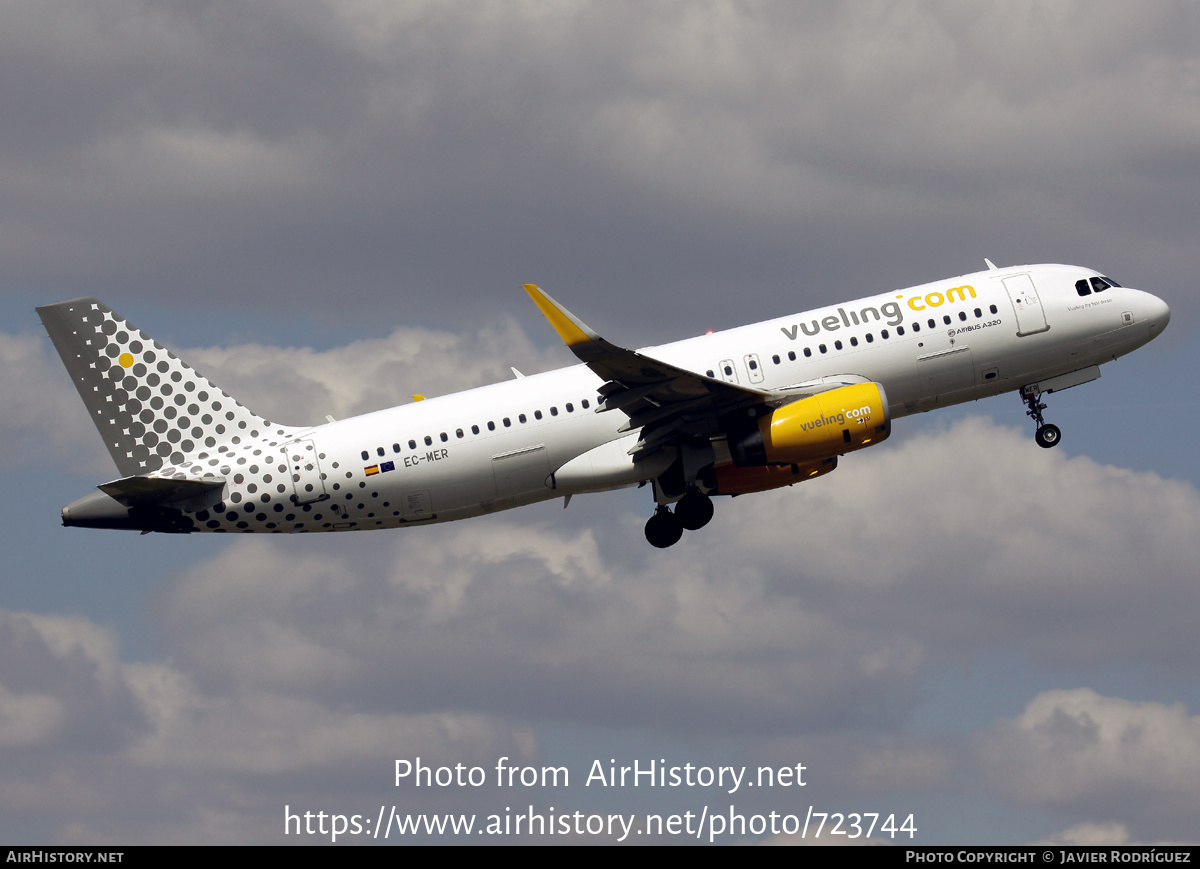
(991, 265)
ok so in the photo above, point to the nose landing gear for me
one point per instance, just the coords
(1047, 434)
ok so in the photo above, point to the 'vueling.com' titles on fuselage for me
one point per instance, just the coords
(869, 313)
(745, 410)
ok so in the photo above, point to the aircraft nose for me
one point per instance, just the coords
(1158, 313)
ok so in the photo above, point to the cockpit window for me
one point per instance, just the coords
(1099, 285)
(1083, 287)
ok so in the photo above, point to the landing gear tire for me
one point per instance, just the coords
(663, 529)
(694, 510)
(1048, 436)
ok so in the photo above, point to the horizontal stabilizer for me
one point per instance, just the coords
(147, 491)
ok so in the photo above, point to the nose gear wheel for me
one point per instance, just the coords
(1047, 435)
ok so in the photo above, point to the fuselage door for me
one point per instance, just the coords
(727, 372)
(1031, 318)
(307, 480)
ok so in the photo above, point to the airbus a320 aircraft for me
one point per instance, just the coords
(727, 413)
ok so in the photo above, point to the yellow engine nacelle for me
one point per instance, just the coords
(828, 424)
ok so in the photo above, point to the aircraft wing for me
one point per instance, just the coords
(667, 402)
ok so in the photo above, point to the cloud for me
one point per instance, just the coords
(299, 385)
(805, 609)
(1085, 754)
(96, 748)
(1089, 834)
(802, 621)
(281, 153)
(403, 162)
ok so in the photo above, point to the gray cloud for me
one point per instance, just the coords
(662, 169)
(802, 622)
(363, 152)
(1100, 757)
(804, 609)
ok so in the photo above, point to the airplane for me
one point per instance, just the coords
(726, 413)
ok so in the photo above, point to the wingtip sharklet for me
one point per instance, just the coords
(570, 328)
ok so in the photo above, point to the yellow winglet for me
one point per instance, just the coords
(570, 328)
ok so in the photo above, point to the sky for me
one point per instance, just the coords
(328, 205)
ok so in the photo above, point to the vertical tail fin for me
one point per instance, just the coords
(147, 404)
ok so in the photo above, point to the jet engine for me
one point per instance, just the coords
(825, 425)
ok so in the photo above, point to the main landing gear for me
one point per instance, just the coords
(692, 512)
(1048, 434)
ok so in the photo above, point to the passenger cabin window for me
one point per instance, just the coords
(458, 432)
(853, 342)
(993, 309)
(710, 373)
(837, 345)
(474, 429)
(412, 445)
(554, 411)
(946, 319)
(584, 403)
(792, 355)
(381, 451)
(395, 448)
(507, 422)
(537, 414)
(365, 455)
(823, 348)
(807, 352)
(570, 407)
(775, 358)
(428, 441)
(491, 425)
(444, 437)
(521, 417)
(962, 315)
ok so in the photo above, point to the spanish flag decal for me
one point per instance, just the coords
(372, 471)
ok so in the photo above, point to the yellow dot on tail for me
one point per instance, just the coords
(126, 360)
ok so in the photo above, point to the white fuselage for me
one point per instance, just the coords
(498, 446)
